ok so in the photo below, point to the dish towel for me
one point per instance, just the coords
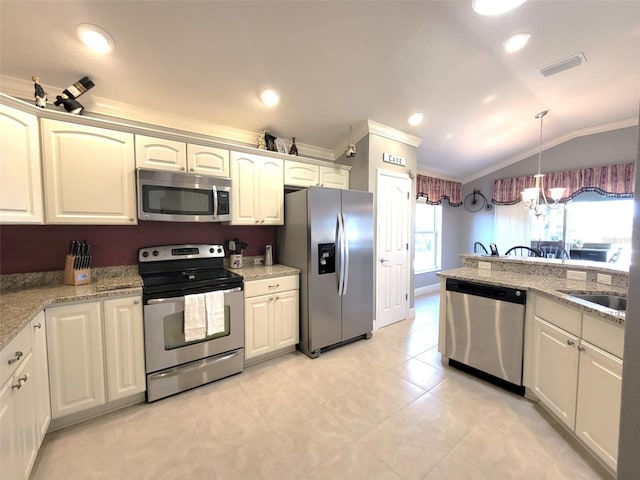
(195, 327)
(215, 312)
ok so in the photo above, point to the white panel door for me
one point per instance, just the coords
(300, 174)
(258, 313)
(207, 160)
(285, 319)
(10, 453)
(334, 177)
(393, 214)
(124, 347)
(20, 170)
(271, 188)
(41, 372)
(245, 170)
(598, 414)
(89, 174)
(76, 367)
(160, 154)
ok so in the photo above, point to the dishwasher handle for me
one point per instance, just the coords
(494, 292)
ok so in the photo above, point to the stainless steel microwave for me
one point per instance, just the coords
(182, 197)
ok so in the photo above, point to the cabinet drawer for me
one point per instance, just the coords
(607, 336)
(270, 285)
(564, 317)
(21, 343)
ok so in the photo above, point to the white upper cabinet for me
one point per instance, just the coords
(204, 160)
(257, 190)
(20, 168)
(89, 174)
(298, 174)
(333, 177)
(160, 154)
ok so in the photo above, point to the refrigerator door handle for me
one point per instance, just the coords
(340, 243)
(345, 240)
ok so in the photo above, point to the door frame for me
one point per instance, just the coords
(389, 173)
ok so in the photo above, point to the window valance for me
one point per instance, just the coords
(610, 181)
(437, 189)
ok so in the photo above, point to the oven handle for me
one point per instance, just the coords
(156, 301)
(200, 364)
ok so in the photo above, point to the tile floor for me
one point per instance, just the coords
(379, 409)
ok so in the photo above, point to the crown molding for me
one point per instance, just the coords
(607, 127)
(97, 105)
(381, 130)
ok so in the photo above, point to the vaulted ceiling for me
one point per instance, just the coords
(339, 63)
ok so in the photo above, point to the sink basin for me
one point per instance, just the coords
(615, 302)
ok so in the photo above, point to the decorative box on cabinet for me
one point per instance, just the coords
(89, 174)
(85, 338)
(576, 373)
(271, 317)
(18, 420)
(20, 168)
(257, 190)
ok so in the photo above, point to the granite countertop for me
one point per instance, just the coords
(19, 307)
(547, 285)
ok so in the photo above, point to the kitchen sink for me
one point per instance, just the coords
(615, 302)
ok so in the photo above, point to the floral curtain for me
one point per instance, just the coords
(437, 189)
(610, 181)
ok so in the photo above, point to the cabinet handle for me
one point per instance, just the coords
(136, 302)
(192, 169)
(277, 297)
(271, 299)
(17, 356)
(131, 219)
(581, 348)
(21, 380)
(37, 325)
(182, 168)
(571, 343)
(274, 286)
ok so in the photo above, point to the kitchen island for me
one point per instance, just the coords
(572, 349)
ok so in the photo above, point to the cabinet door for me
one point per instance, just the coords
(285, 319)
(203, 160)
(271, 192)
(257, 325)
(9, 442)
(300, 174)
(20, 171)
(25, 398)
(160, 154)
(598, 412)
(76, 368)
(334, 177)
(555, 370)
(89, 174)
(41, 373)
(245, 170)
(124, 347)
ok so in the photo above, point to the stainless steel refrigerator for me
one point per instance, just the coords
(328, 235)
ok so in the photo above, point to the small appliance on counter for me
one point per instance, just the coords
(77, 268)
(235, 248)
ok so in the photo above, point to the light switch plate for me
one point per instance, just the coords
(484, 265)
(258, 260)
(603, 278)
(575, 275)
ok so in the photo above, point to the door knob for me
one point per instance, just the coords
(384, 260)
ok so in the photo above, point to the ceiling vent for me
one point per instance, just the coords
(562, 65)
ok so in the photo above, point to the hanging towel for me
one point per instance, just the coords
(195, 317)
(215, 312)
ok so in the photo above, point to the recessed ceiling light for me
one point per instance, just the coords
(270, 97)
(495, 7)
(416, 119)
(516, 42)
(95, 38)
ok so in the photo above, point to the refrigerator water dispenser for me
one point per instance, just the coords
(326, 258)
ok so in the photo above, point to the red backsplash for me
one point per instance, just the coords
(41, 248)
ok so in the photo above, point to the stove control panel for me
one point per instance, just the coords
(179, 252)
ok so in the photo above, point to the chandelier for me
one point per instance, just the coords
(531, 196)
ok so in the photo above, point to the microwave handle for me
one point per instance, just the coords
(215, 201)
(156, 301)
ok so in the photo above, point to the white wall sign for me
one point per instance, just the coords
(389, 158)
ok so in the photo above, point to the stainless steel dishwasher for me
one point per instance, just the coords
(485, 331)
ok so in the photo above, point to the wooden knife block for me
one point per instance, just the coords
(75, 277)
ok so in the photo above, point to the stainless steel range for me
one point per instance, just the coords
(176, 276)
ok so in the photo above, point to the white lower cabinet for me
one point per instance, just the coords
(43, 403)
(95, 356)
(271, 315)
(18, 428)
(580, 383)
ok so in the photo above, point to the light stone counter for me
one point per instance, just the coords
(549, 285)
(259, 272)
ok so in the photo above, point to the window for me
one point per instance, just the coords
(428, 237)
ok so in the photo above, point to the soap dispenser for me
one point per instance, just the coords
(268, 255)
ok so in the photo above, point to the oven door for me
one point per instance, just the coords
(165, 346)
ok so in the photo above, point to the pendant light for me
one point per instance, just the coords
(531, 196)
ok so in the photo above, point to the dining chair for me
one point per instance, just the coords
(479, 248)
(554, 249)
(523, 251)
